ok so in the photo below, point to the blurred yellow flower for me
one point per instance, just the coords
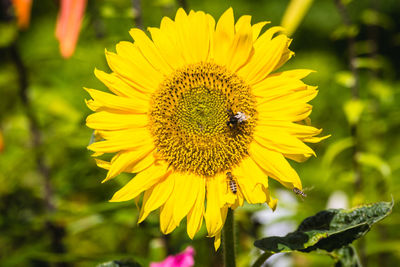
(196, 113)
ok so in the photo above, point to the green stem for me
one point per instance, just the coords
(228, 239)
(261, 259)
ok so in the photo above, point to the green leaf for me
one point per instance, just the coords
(294, 14)
(375, 162)
(345, 78)
(344, 31)
(8, 33)
(382, 90)
(119, 263)
(373, 17)
(353, 109)
(335, 149)
(329, 229)
(347, 257)
(369, 63)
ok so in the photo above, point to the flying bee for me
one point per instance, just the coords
(231, 182)
(299, 192)
(302, 194)
(236, 119)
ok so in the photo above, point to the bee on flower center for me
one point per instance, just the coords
(231, 182)
(236, 119)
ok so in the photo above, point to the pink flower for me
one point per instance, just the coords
(183, 259)
(69, 25)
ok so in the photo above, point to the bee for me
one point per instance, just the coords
(299, 192)
(231, 182)
(236, 119)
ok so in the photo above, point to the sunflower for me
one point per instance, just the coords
(199, 115)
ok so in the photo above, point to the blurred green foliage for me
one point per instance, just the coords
(53, 208)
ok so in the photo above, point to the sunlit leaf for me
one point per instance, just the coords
(368, 63)
(329, 229)
(8, 33)
(373, 17)
(343, 31)
(345, 78)
(335, 149)
(353, 109)
(294, 14)
(383, 90)
(375, 162)
(85, 223)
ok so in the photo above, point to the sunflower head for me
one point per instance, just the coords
(198, 112)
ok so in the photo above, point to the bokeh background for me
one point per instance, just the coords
(53, 208)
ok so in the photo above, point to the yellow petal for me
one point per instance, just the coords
(298, 96)
(213, 211)
(293, 113)
(131, 53)
(139, 166)
(156, 196)
(132, 73)
(211, 30)
(295, 74)
(257, 29)
(126, 159)
(167, 47)
(243, 20)
(242, 44)
(292, 106)
(167, 223)
(300, 131)
(281, 141)
(239, 200)
(217, 241)
(265, 58)
(199, 36)
(187, 187)
(103, 164)
(275, 165)
(195, 216)
(272, 203)
(227, 197)
(141, 182)
(223, 37)
(119, 87)
(297, 157)
(104, 120)
(184, 37)
(150, 51)
(286, 55)
(142, 164)
(251, 181)
(268, 35)
(274, 87)
(109, 101)
(122, 140)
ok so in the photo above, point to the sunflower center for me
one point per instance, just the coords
(202, 118)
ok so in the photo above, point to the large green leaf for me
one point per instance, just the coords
(329, 229)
